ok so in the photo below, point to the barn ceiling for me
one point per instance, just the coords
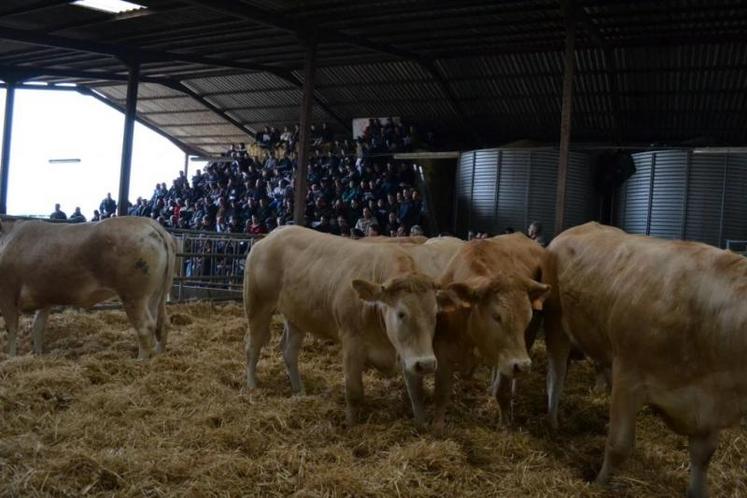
(480, 72)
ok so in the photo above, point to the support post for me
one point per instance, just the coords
(301, 184)
(10, 95)
(565, 119)
(186, 164)
(127, 136)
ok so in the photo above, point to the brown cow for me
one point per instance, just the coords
(495, 280)
(670, 319)
(369, 296)
(44, 265)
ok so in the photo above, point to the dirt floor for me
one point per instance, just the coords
(89, 419)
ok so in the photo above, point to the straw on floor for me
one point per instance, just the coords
(87, 419)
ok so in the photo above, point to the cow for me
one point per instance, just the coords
(46, 264)
(495, 282)
(669, 319)
(368, 296)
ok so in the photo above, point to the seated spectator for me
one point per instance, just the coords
(254, 227)
(58, 213)
(365, 221)
(96, 215)
(508, 230)
(108, 206)
(416, 230)
(77, 216)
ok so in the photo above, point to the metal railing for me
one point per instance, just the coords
(210, 265)
(738, 246)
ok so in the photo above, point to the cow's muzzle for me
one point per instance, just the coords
(423, 365)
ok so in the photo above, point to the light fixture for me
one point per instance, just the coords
(111, 6)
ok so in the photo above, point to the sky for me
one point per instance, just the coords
(51, 124)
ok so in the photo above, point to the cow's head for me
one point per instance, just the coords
(408, 305)
(499, 309)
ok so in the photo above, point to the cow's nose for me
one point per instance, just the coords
(425, 366)
(521, 366)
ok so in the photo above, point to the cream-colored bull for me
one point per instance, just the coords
(495, 280)
(668, 317)
(44, 264)
(369, 296)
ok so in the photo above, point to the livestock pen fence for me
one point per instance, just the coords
(210, 265)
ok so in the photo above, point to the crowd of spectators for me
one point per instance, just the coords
(349, 194)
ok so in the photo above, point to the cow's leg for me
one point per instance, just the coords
(558, 352)
(144, 324)
(414, 384)
(503, 391)
(37, 329)
(256, 338)
(292, 342)
(442, 392)
(701, 450)
(353, 359)
(602, 379)
(158, 310)
(624, 405)
(10, 315)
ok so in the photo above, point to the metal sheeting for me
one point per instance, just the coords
(463, 188)
(676, 194)
(513, 187)
(484, 189)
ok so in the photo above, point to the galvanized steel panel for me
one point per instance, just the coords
(668, 194)
(542, 171)
(636, 194)
(735, 201)
(580, 196)
(463, 191)
(705, 198)
(484, 190)
(512, 190)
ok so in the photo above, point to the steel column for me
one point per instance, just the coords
(186, 164)
(127, 136)
(10, 94)
(565, 119)
(301, 183)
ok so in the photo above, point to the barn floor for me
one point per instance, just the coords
(88, 419)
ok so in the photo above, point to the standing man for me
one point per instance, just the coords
(58, 214)
(535, 233)
(77, 216)
(108, 206)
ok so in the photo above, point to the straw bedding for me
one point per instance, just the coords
(89, 419)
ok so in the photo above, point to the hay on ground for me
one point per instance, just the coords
(88, 419)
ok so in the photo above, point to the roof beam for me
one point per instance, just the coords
(301, 30)
(145, 55)
(610, 68)
(127, 52)
(181, 87)
(183, 146)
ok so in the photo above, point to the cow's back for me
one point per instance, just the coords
(672, 311)
(513, 254)
(81, 264)
(309, 274)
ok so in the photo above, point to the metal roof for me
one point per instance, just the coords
(214, 71)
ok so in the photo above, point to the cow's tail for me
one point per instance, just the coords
(168, 278)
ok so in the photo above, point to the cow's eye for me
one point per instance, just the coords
(497, 317)
(401, 315)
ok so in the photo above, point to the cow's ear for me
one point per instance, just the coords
(463, 294)
(368, 291)
(538, 292)
(447, 301)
